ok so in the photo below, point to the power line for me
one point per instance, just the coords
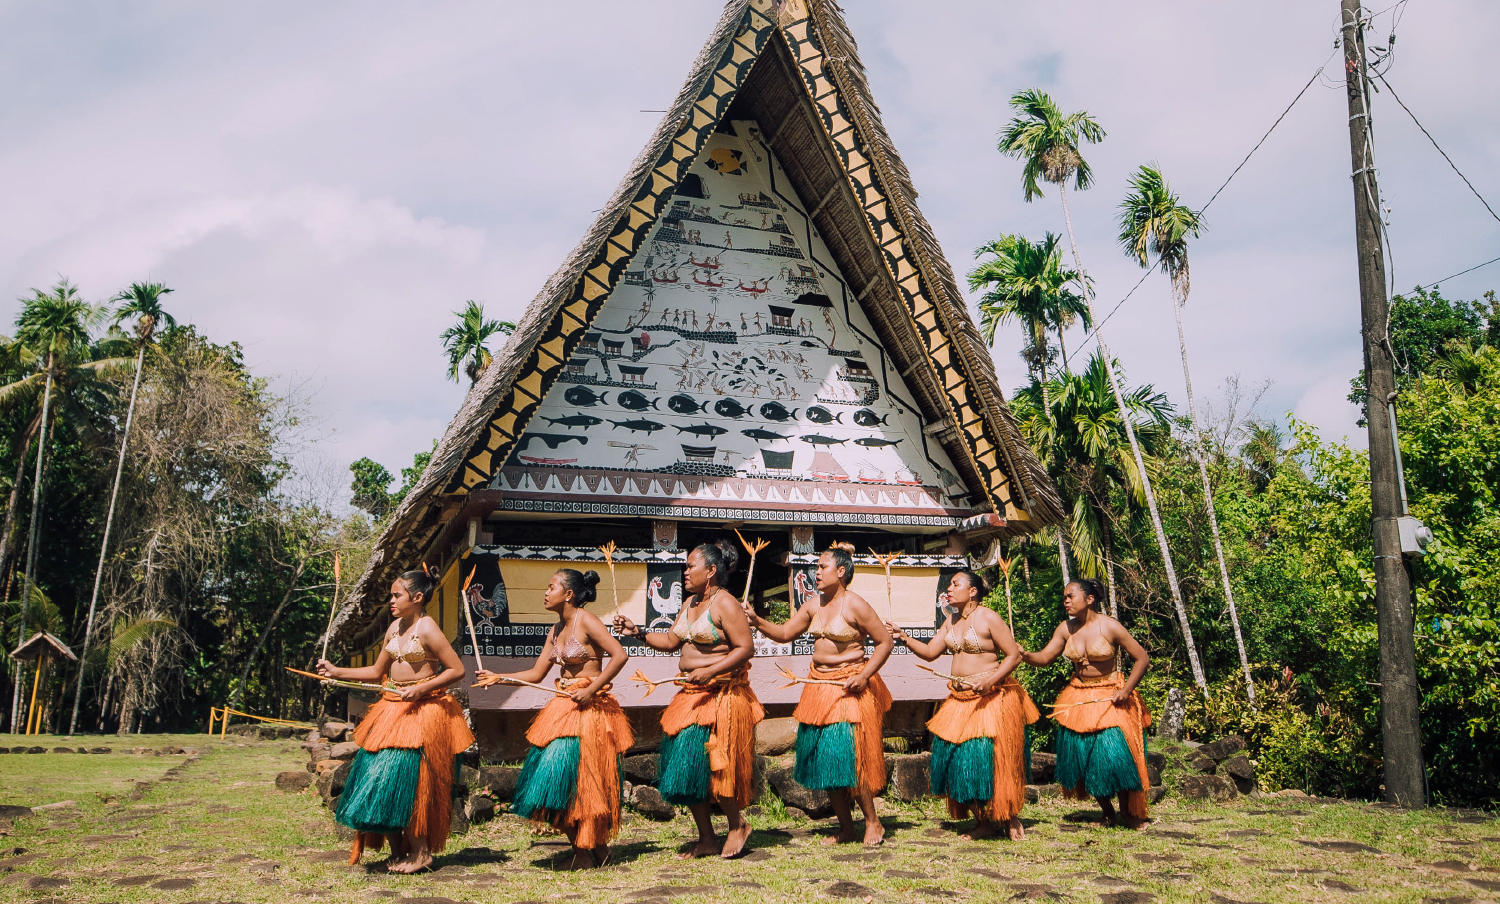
(1211, 199)
(1461, 273)
(1439, 148)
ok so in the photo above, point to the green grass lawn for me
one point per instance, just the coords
(217, 830)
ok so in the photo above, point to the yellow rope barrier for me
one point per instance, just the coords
(221, 715)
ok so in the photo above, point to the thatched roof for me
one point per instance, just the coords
(42, 644)
(793, 67)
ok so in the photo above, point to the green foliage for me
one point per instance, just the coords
(371, 487)
(1426, 327)
(466, 342)
(1047, 142)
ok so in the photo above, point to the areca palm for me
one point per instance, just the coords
(1047, 141)
(467, 341)
(1026, 281)
(141, 301)
(1073, 422)
(1154, 221)
(56, 328)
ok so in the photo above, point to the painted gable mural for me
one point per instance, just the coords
(732, 369)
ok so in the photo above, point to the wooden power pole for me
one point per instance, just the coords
(1400, 725)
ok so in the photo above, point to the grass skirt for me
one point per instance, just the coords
(709, 746)
(979, 751)
(429, 732)
(839, 734)
(1101, 747)
(571, 778)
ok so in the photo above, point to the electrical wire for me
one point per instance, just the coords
(1211, 200)
(1439, 148)
(1460, 273)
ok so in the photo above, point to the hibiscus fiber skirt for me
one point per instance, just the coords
(571, 778)
(708, 748)
(839, 734)
(979, 751)
(1101, 747)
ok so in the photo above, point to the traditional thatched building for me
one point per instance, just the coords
(760, 330)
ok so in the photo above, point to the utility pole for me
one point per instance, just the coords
(1400, 725)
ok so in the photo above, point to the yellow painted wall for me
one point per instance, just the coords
(448, 608)
(526, 579)
(914, 591)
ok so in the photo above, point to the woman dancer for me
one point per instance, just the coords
(1101, 721)
(979, 732)
(571, 778)
(839, 725)
(707, 754)
(400, 785)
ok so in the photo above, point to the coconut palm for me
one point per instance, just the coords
(1074, 423)
(56, 328)
(466, 341)
(1026, 281)
(141, 301)
(1154, 221)
(1047, 142)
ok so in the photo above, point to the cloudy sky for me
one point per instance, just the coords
(325, 183)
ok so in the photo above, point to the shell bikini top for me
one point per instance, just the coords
(836, 630)
(970, 643)
(1097, 650)
(573, 652)
(409, 651)
(701, 631)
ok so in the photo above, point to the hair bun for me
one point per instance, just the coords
(845, 545)
(591, 578)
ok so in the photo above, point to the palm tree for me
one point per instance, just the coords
(466, 341)
(1074, 423)
(1026, 281)
(1047, 142)
(1154, 221)
(57, 328)
(143, 302)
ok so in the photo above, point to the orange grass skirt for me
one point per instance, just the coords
(1086, 706)
(1002, 716)
(731, 711)
(603, 734)
(435, 724)
(826, 704)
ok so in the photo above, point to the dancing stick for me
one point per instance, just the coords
(1080, 703)
(653, 685)
(494, 679)
(469, 617)
(609, 559)
(334, 608)
(793, 678)
(1005, 567)
(354, 685)
(962, 680)
(754, 548)
(890, 599)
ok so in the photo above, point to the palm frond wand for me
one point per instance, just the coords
(751, 548)
(496, 679)
(653, 685)
(339, 682)
(609, 559)
(890, 599)
(333, 609)
(793, 678)
(468, 604)
(1079, 703)
(1005, 567)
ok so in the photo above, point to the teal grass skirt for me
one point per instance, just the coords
(825, 756)
(1098, 761)
(964, 773)
(380, 790)
(549, 779)
(683, 772)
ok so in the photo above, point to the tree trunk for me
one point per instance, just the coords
(8, 530)
(36, 499)
(1109, 569)
(1208, 498)
(291, 587)
(1062, 543)
(109, 521)
(1140, 463)
(1063, 347)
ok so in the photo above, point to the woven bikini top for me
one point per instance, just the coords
(701, 631)
(1097, 650)
(573, 652)
(409, 651)
(837, 629)
(970, 643)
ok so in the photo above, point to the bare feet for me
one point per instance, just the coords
(582, 859)
(1138, 824)
(874, 833)
(843, 836)
(1017, 831)
(736, 840)
(601, 855)
(706, 847)
(983, 829)
(414, 862)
